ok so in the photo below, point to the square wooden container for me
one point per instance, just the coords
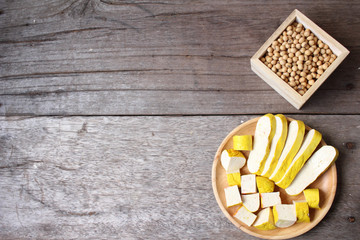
(280, 85)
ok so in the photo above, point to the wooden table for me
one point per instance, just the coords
(112, 111)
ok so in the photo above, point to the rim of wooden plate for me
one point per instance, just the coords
(289, 233)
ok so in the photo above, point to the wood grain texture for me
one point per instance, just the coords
(172, 103)
(140, 177)
(52, 52)
(84, 170)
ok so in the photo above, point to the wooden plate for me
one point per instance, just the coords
(326, 184)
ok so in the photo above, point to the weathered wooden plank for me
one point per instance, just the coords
(137, 102)
(86, 53)
(84, 45)
(63, 57)
(180, 72)
(140, 177)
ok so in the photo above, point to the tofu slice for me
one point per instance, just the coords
(265, 220)
(232, 196)
(251, 201)
(318, 163)
(270, 199)
(245, 216)
(311, 141)
(232, 160)
(312, 197)
(234, 178)
(302, 211)
(293, 142)
(264, 133)
(284, 215)
(264, 184)
(248, 183)
(242, 142)
(277, 145)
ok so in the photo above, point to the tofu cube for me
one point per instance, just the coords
(232, 196)
(245, 216)
(284, 215)
(232, 160)
(234, 178)
(270, 199)
(251, 202)
(248, 183)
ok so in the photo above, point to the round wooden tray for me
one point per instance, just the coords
(326, 184)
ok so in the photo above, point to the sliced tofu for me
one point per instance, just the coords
(318, 163)
(293, 142)
(284, 215)
(311, 141)
(232, 196)
(245, 216)
(248, 183)
(302, 211)
(265, 220)
(270, 199)
(251, 202)
(312, 196)
(242, 142)
(264, 132)
(234, 178)
(232, 160)
(264, 184)
(277, 145)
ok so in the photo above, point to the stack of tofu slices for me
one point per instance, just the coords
(282, 153)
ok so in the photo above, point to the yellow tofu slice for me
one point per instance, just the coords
(318, 163)
(311, 141)
(293, 142)
(264, 133)
(264, 184)
(312, 196)
(302, 211)
(234, 179)
(265, 220)
(277, 145)
(242, 142)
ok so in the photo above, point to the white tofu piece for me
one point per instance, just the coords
(284, 215)
(248, 183)
(318, 163)
(264, 133)
(310, 142)
(277, 145)
(265, 220)
(245, 216)
(251, 202)
(232, 196)
(270, 199)
(232, 160)
(296, 132)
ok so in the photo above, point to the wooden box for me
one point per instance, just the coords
(280, 85)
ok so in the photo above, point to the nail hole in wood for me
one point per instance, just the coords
(350, 145)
